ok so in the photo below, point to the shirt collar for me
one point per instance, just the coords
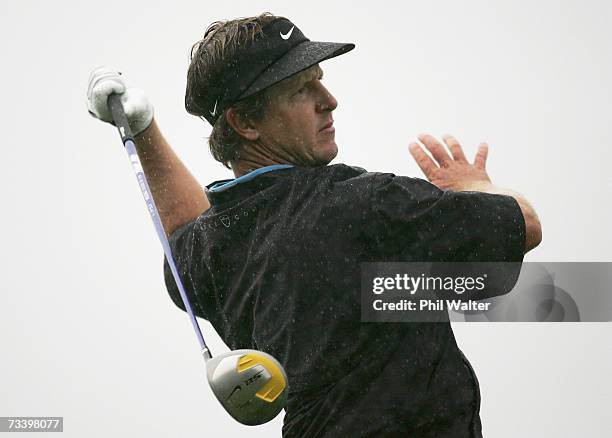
(220, 186)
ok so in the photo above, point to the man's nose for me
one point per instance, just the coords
(326, 102)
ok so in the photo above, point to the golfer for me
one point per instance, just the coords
(272, 258)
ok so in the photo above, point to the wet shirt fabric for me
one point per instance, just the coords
(274, 265)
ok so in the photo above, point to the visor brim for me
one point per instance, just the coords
(297, 59)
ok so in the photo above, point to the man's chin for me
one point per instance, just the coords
(327, 154)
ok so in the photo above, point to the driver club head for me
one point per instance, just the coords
(251, 385)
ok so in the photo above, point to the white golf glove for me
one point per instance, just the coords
(104, 81)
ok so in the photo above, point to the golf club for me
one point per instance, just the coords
(251, 385)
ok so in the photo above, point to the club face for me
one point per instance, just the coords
(251, 385)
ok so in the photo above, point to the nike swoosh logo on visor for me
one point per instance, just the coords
(214, 111)
(287, 35)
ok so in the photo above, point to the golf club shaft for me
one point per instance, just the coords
(121, 121)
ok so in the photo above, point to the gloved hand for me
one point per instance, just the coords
(104, 81)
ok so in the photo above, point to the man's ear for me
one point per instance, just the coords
(241, 125)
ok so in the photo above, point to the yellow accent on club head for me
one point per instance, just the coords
(275, 386)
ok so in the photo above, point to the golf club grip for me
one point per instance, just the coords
(119, 117)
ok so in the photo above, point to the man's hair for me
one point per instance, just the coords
(208, 58)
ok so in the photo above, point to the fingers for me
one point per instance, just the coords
(437, 150)
(440, 154)
(454, 147)
(102, 74)
(97, 102)
(480, 160)
(103, 81)
(103, 69)
(426, 164)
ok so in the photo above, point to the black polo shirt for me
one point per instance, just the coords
(274, 265)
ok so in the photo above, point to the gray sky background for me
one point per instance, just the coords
(87, 330)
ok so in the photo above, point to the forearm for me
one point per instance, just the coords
(177, 194)
(533, 228)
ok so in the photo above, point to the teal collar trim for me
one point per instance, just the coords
(224, 185)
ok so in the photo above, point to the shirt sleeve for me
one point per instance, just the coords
(184, 244)
(420, 222)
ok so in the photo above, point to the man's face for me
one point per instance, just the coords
(298, 126)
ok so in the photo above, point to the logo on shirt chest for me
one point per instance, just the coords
(226, 221)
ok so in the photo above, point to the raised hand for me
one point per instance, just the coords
(452, 171)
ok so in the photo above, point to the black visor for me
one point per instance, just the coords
(280, 51)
